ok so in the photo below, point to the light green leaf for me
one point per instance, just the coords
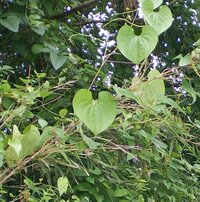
(42, 75)
(16, 132)
(156, 82)
(91, 144)
(121, 192)
(186, 60)
(59, 132)
(167, 184)
(6, 68)
(30, 140)
(160, 20)
(43, 123)
(16, 145)
(62, 184)
(156, 3)
(189, 89)
(159, 144)
(97, 115)
(63, 112)
(196, 167)
(39, 29)
(147, 92)
(171, 102)
(48, 132)
(28, 114)
(19, 110)
(141, 198)
(37, 48)
(57, 60)
(197, 123)
(136, 47)
(1, 159)
(126, 93)
(146, 95)
(11, 23)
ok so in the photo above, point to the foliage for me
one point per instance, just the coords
(97, 115)
(67, 134)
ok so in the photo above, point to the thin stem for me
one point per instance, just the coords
(105, 58)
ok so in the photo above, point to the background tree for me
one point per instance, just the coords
(137, 142)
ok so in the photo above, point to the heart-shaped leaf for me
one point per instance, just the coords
(147, 92)
(26, 144)
(11, 23)
(16, 145)
(156, 3)
(136, 47)
(156, 82)
(160, 20)
(97, 115)
(57, 60)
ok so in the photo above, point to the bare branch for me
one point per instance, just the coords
(75, 9)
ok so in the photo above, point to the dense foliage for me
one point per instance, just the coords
(99, 102)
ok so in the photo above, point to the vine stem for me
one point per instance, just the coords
(105, 58)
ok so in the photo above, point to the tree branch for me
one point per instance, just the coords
(75, 9)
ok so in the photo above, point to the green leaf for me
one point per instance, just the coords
(30, 141)
(16, 145)
(37, 48)
(43, 123)
(196, 167)
(19, 111)
(63, 112)
(147, 92)
(28, 114)
(197, 123)
(126, 93)
(5, 69)
(167, 184)
(189, 89)
(156, 3)
(160, 20)
(57, 60)
(1, 159)
(141, 198)
(156, 82)
(48, 132)
(11, 23)
(39, 29)
(171, 102)
(21, 2)
(136, 47)
(186, 60)
(91, 144)
(159, 144)
(121, 192)
(42, 75)
(97, 115)
(59, 132)
(16, 132)
(62, 184)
